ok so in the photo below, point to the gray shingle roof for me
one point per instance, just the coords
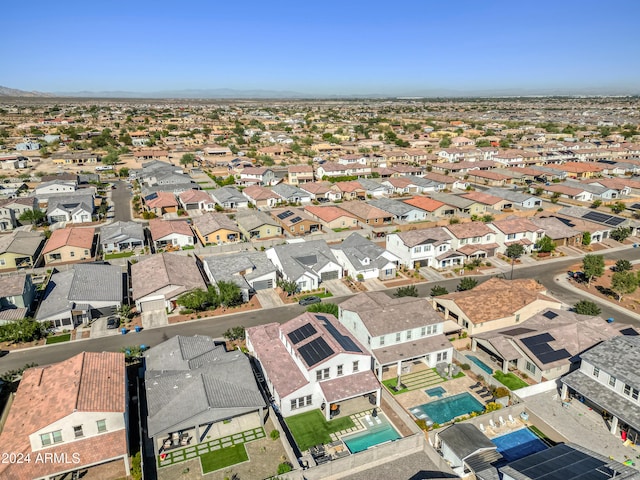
(619, 357)
(229, 267)
(121, 231)
(357, 249)
(297, 258)
(465, 439)
(392, 206)
(251, 219)
(228, 194)
(288, 191)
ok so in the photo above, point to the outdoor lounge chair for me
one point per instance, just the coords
(511, 419)
(481, 427)
(492, 423)
(485, 395)
(501, 420)
(475, 385)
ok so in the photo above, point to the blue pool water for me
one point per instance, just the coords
(481, 364)
(435, 392)
(518, 444)
(375, 435)
(445, 409)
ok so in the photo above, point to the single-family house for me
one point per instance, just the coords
(291, 194)
(465, 448)
(260, 176)
(45, 189)
(73, 208)
(396, 331)
(83, 293)
(70, 244)
(16, 294)
(490, 201)
(196, 200)
(495, 304)
(251, 271)
(218, 385)
(298, 174)
(160, 203)
(20, 249)
(401, 211)
(374, 189)
(216, 228)
(73, 416)
(295, 221)
(332, 217)
(367, 214)
(312, 362)
(157, 281)
(8, 220)
(170, 234)
(229, 198)
(473, 239)
(307, 263)
(362, 259)
(428, 247)
(558, 231)
(322, 191)
(515, 198)
(121, 236)
(516, 230)
(434, 209)
(261, 197)
(257, 225)
(460, 205)
(350, 190)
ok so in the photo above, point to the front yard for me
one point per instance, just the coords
(310, 428)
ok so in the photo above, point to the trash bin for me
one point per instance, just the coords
(123, 331)
(143, 347)
(138, 328)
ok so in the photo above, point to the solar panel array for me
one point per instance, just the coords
(284, 215)
(630, 332)
(635, 206)
(517, 331)
(315, 351)
(603, 218)
(540, 348)
(344, 341)
(296, 220)
(301, 333)
(562, 462)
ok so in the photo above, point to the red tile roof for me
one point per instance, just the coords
(74, 237)
(160, 228)
(327, 214)
(424, 203)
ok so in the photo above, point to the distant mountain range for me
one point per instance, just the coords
(229, 93)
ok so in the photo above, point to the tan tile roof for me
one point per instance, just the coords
(424, 203)
(190, 196)
(162, 199)
(469, 229)
(75, 237)
(161, 228)
(483, 198)
(163, 270)
(497, 298)
(300, 169)
(364, 210)
(212, 222)
(327, 214)
(316, 187)
(515, 225)
(257, 192)
(349, 386)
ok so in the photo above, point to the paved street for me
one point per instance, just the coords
(121, 198)
(545, 272)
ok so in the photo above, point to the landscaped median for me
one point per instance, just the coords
(215, 454)
(310, 428)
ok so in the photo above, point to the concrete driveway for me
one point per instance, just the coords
(269, 298)
(99, 328)
(154, 318)
(337, 288)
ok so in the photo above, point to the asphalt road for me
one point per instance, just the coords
(215, 327)
(121, 198)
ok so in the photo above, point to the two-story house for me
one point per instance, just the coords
(429, 247)
(516, 230)
(16, 294)
(396, 331)
(312, 362)
(299, 174)
(75, 411)
(260, 176)
(472, 239)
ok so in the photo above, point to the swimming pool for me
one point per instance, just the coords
(435, 391)
(480, 363)
(518, 444)
(374, 435)
(445, 409)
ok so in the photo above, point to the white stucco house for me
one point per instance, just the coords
(430, 247)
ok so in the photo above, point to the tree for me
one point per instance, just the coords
(514, 252)
(24, 330)
(330, 308)
(194, 300)
(587, 307)
(123, 172)
(288, 286)
(596, 203)
(111, 158)
(445, 142)
(592, 266)
(32, 216)
(624, 283)
(124, 312)
(546, 245)
(586, 238)
(229, 294)
(618, 207)
(188, 159)
(623, 265)
(620, 234)
(467, 283)
(235, 333)
(438, 290)
(408, 291)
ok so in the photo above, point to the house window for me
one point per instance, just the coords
(442, 356)
(408, 334)
(49, 438)
(381, 340)
(2, 262)
(423, 331)
(398, 336)
(530, 367)
(627, 390)
(417, 249)
(102, 426)
(72, 254)
(322, 374)
(612, 381)
(300, 402)
(596, 372)
(517, 317)
(511, 236)
(368, 339)
(356, 366)
(77, 431)
(86, 252)
(339, 370)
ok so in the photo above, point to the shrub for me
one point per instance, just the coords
(284, 467)
(465, 366)
(186, 311)
(492, 407)
(275, 434)
(501, 392)
(422, 424)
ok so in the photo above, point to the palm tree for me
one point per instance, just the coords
(514, 252)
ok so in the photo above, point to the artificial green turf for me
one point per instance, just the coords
(310, 428)
(109, 256)
(58, 339)
(222, 458)
(509, 380)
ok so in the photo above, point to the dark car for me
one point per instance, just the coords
(309, 300)
(113, 322)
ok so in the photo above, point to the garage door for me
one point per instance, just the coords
(329, 275)
(152, 305)
(263, 284)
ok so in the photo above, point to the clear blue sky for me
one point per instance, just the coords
(341, 47)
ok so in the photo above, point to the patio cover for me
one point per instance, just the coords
(349, 386)
(390, 354)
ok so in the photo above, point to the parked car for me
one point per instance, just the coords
(113, 322)
(309, 300)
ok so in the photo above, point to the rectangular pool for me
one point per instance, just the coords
(379, 433)
(480, 363)
(518, 444)
(445, 409)
(435, 391)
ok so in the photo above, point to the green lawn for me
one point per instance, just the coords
(509, 380)
(222, 458)
(310, 428)
(319, 295)
(58, 339)
(109, 256)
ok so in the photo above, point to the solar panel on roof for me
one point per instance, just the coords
(614, 221)
(315, 351)
(151, 196)
(562, 462)
(284, 215)
(517, 331)
(596, 217)
(630, 332)
(301, 333)
(307, 260)
(554, 356)
(635, 206)
(550, 315)
(296, 220)
(344, 341)
(538, 339)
